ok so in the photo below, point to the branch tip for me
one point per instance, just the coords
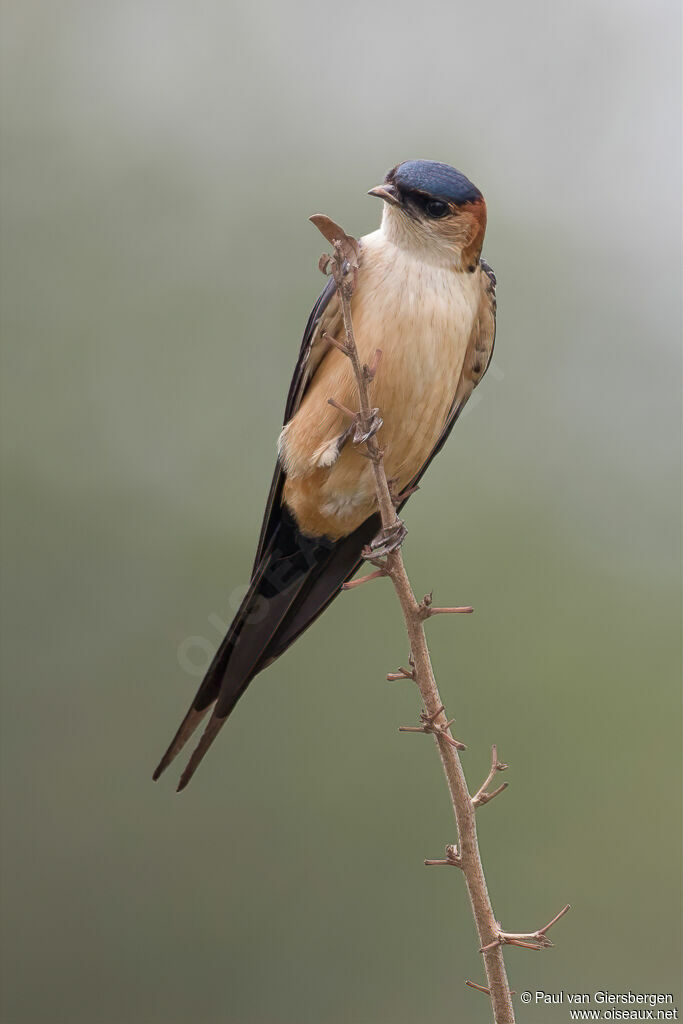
(325, 336)
(565, 910)
(479, 988)
(452, 859)
(426, 609)
(527, 940)
(466, 609)
(482, 796)
(378, 574)
(370, 370)
(353, 416)
(402, 673)
(482, 988)
(486, 798)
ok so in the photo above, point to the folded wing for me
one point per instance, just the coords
(295, 578)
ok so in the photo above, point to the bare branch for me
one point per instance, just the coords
(385, 553)
(482, 796)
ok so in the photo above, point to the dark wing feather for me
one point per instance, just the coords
(324, 315)
(305, 367)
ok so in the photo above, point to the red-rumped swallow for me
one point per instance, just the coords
(425, 298)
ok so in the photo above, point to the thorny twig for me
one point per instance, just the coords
(384, 553)
(528, 940)
(453, 858)
(482, 796)
(430, 725)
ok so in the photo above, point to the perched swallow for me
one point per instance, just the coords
(425, 298)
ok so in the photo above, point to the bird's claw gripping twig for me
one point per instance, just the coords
(360, 429)
(386, 541)
(364, 431)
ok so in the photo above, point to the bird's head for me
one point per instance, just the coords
(432, 208)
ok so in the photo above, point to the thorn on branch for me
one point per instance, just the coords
(482, 796)
(353, 416)
(453, 858)
(325, 336)
(485, 798)
(426, 609)
(429, 726)
(482, 988)
(370, 370)
(527, 940)
(465, 609)
(405, 673)
(428, 719)
(402, 496)
(364, 579)
(479, 988)
(427, 612)
(401, 673)
(358, 429)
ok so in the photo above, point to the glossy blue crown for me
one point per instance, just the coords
(434, 179)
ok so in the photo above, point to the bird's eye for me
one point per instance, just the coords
(435, 208)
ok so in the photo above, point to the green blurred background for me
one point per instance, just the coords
(160, 161)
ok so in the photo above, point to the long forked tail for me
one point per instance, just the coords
(293, 583)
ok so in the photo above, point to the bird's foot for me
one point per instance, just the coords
(385, 542)
(364, 431)
(359, 430)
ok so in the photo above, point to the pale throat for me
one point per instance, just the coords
(414, 237)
